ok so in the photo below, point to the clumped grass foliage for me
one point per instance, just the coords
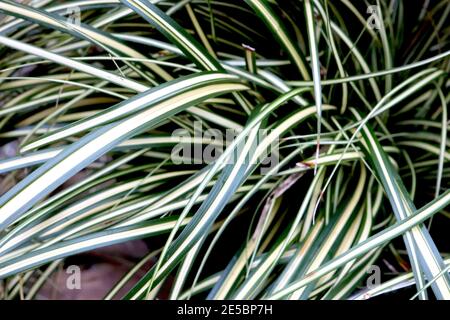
(353, 96)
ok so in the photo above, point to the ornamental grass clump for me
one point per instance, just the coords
(252, 149)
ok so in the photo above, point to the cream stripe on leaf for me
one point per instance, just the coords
(175, 33)
(82, 31)
(87, 243)
(275, 25)
(421, 242)
(373, 242)
(259, 115)
(119, 111)
(81, 153)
